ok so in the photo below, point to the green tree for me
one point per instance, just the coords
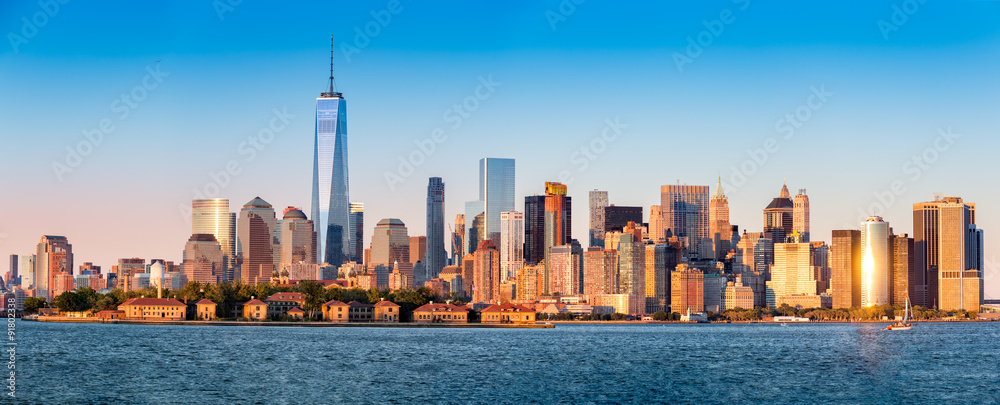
(32, 304)
(617, 317)
(66, 302)
(315, 296)
(660, 316)
(106, 303)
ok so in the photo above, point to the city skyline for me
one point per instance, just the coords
(835, 203)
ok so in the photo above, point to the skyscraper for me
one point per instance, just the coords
(126, 270)
(778, 216)
(875, 262)
(257, 243)
(845, 268)
(13, 270)
(436, 254)
(390, 243)
(657, 226)
(632, 267)
(557, 221)
(458, 241)
(203, 259)
(534, 229)
(904, 273)
(27, 264)
(54, 255)
(793, 272)
(685, 213)
(598, 200)
(212, 216)
(486, 273)
(496, 191)
(330, 199)
(719, 228)
(687, 289)
(617, 217)
(800, 214)
(298, 238)
(511, 243)
(960, 260)
(475, 228)
(565, 271)
(357, 225)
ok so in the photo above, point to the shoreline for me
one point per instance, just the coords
(62, 319)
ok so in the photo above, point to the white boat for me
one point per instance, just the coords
(902, 325)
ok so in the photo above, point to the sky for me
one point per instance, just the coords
(115, 115)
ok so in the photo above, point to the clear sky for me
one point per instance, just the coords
(185, 89)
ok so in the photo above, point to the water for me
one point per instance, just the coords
(96, 363)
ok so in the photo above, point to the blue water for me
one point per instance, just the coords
(96, 363)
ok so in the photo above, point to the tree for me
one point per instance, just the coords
(106, 303)
(315, 296)
(617, 317)
(660, 316)
(66, 302)
(32, 304)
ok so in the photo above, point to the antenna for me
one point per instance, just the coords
(332, 92)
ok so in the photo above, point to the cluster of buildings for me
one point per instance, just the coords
(678, 256)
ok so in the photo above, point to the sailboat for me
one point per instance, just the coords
(902, 325)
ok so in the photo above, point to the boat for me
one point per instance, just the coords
(902, 325)
(784, 324)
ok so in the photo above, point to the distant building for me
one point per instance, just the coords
(779, 216)
(621, 303)
(687, 290)
(738, 296)
(507, 313)
(440, 287)
(212, 216)
(534, 229)
(800, 214)
(436, 256)
(440, 313)
(558, 223)
(258, 241)
(685, 213)
(336, 311)
(54, 256)
(598, 200)
(205, 310)
(511, 243)
(486, 282)
(356, 224)
(360, 312)
(875, 263)
(280, 303)
(126, 271)
(386, 311)
(204, 260)
(719, 228)
(298, 238)
(255, 310)
(845, 268)
(390, 244)
(801, 301)
(167, 309)
(617, 217)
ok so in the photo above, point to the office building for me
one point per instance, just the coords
(458, 241)
(719, 228)
(390, 244)
(534, 229)
(496, 191)
(779, 216)
(845, 268)
(54, 255)
(793, 272)
(127, 270)
(687, 290)
(685, 213)
(475, 225)
(960, 260)
(298, 238)
(800, 215)
(203, 259)
(436, 256)
(904, 273)
(330, 188)
(257, 242)
(511, 243)
(631, 266)
(875, 262)
(598, 200)
(356, 222)
(558, 225)
(617, 217)
(486, 273)
(212, 216)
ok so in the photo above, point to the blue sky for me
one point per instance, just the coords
(561, 78)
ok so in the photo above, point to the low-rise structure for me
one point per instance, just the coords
(255, 310)
(336, 311)
(154, 309)
(507, 313)
(386, 311)
(280, 303)
(205, 310)
(296, 313)
(441, 313)
(360, 312)
(806, 301)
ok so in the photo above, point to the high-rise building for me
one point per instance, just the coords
(719, 228)
(458, 241)
(418, 248)
(126, 271)
(298, 238)
(511, 243)
(793, 272)
(436, 255)
(330, 197)
(27, 274)
(13, 270)
(617, 217)
(779, 216)
(631, 267)
(875, 262)
(925, 252)
(960, 260)
(475, 225)
(657, 226)
(904, 273)
(486, 273)
(357, 225)
(558, 211)
(527, 281)
(203, 259)
(845, 268)
(54, 255)
(534, 229)
(257, 243)
(212, 216)
(89, 268)
(687, 289)
(821, 262)
(564, 271)
(685, 213)
(660, 261)
(598, 200)
(800, 214)
(496, 191)
(390, 242)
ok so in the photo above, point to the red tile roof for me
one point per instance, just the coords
(386, 304)
(296, 309)
(205, 301)
(159, 302)
(334, 303)
(507, 307)
(286, 296)
(440, 307)
(254, 302)
(358, 304)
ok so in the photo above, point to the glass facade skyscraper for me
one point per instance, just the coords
(496, 191)
(330, 199)
(212, 217)
(435, 255)
(357, 225)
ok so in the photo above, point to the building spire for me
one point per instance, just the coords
(718, 189)
(784, 191)
(332, 92)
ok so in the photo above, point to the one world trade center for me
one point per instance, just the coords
(330, 202)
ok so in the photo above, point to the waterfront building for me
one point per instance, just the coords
(255, 310)
(330, 188)
(738, 296)
(205, 310)
(27, 273)
(281, 302)
(61, 283)
(441, 313)
(165, 309)
(257, 243)
(685, 213)
(714, 285)
(54, 255)
(212, 216)
(203, 259)
(875, 262)
(527, 280)
(687, 289)
(800, 301)
(904, 273)
(960, 257)
(360, 312)
(632, 267)
(719, 228)
(621, 303)
(507, 313)
(436, 256)
(793, 272)
(298, 238)
(845, 268)
(658, 265)
(598, 200)
(386, 311)
(335, 311)
(511, 243)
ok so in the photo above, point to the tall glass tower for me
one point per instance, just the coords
(330, 202)
(496, 191)
(436, 254)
